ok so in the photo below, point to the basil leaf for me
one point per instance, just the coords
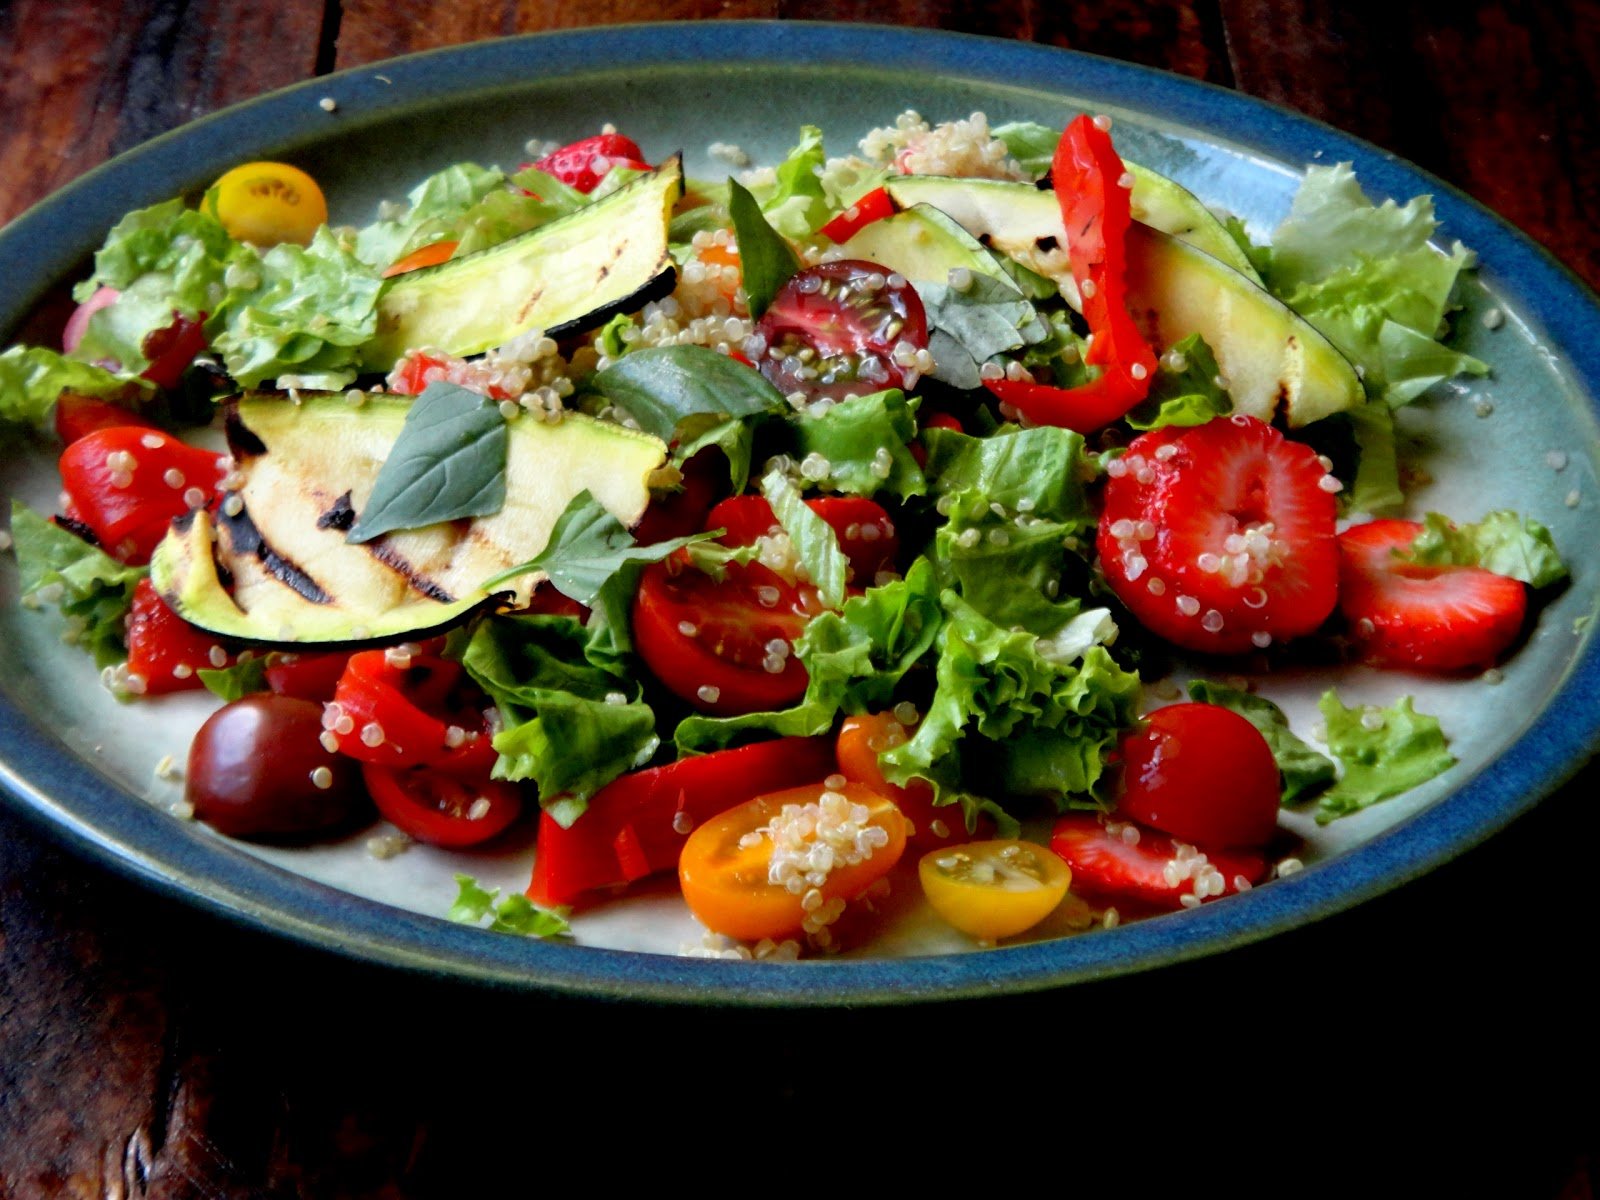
(1304, 771)
(660, 386)
(587, 547)
(449, 462)
(813, 538)
(970, 325)
(765, 258)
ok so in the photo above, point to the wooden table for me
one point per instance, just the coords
(146, 1049)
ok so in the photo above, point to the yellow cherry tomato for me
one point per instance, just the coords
(812, 838)
(267, 203)
(994, 890)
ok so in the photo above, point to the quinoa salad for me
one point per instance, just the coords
(823, 553)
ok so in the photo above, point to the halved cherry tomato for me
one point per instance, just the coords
(409, 711)
(683, 512)
(172, 349)
(636, 825)
(583, 164)
(747, 874)
(711, 641)
(861, 740)
(851, 319)
(306, 676)
(127, 484)
(430, 255)
(78, 416)
(440, 807)
(164, 650)
(1203, 774)
(874, 206)
(994, 890)
(267, 203)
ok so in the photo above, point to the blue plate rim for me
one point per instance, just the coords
(46, 781)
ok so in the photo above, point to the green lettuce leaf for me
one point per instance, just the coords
(865, 442)
(96, 590)
(309, 311)
(1187, 395)
(187, 245)
(515, 914)
(1503, 542)
(243, 678)
(1031, 144)
(570, 725)
(1403, 750)
(1038, 471)
(814, 540)
(796, 205)
(31, 378)
(435, 211)
(1366, 276)
(1376, 487)
(1305, 771)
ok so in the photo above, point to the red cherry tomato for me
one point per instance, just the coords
(680, 513)
(1203, 774)
(164, 650)
(852, 318)
(636, 825)
(711, 642)
(410, 710)
(127, 484)
(441, 808)
(79, 416)
(583, 164)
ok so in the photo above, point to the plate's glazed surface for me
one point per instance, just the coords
(71, 754)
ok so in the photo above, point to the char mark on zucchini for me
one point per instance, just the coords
(246, 539)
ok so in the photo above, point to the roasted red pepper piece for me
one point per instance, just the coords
(1087, 174)
(874, 206)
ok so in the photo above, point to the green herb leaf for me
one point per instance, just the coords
(244, 678)
(1305, 772)
(865, 443)
(813, 538)
(96, 590)
(515, 914)
(1503, 542)
(587, 548)
(661, 386)
(33, 378)
(572, 719)
(1186, 396)
(765, 258)
(1403, 750)
(969, 326)
(449, 462)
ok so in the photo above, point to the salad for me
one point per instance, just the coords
(822, 543)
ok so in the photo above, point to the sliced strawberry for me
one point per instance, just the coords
(1110, 866)
(1220, 538)
(584, 164)
(1428, 618)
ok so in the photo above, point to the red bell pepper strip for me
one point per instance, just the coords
(1087, 175)
(400, 715)
(636, 825)
(874, 206)
(165, 651)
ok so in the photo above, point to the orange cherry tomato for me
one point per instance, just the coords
(861, 740)
(430, 255)
(994, 890)
(717, 257)
(268, 203)
(811, 838)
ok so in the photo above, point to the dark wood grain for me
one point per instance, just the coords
(149, 1050)
(86, 81)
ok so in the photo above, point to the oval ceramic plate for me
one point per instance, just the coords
(87, 765)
